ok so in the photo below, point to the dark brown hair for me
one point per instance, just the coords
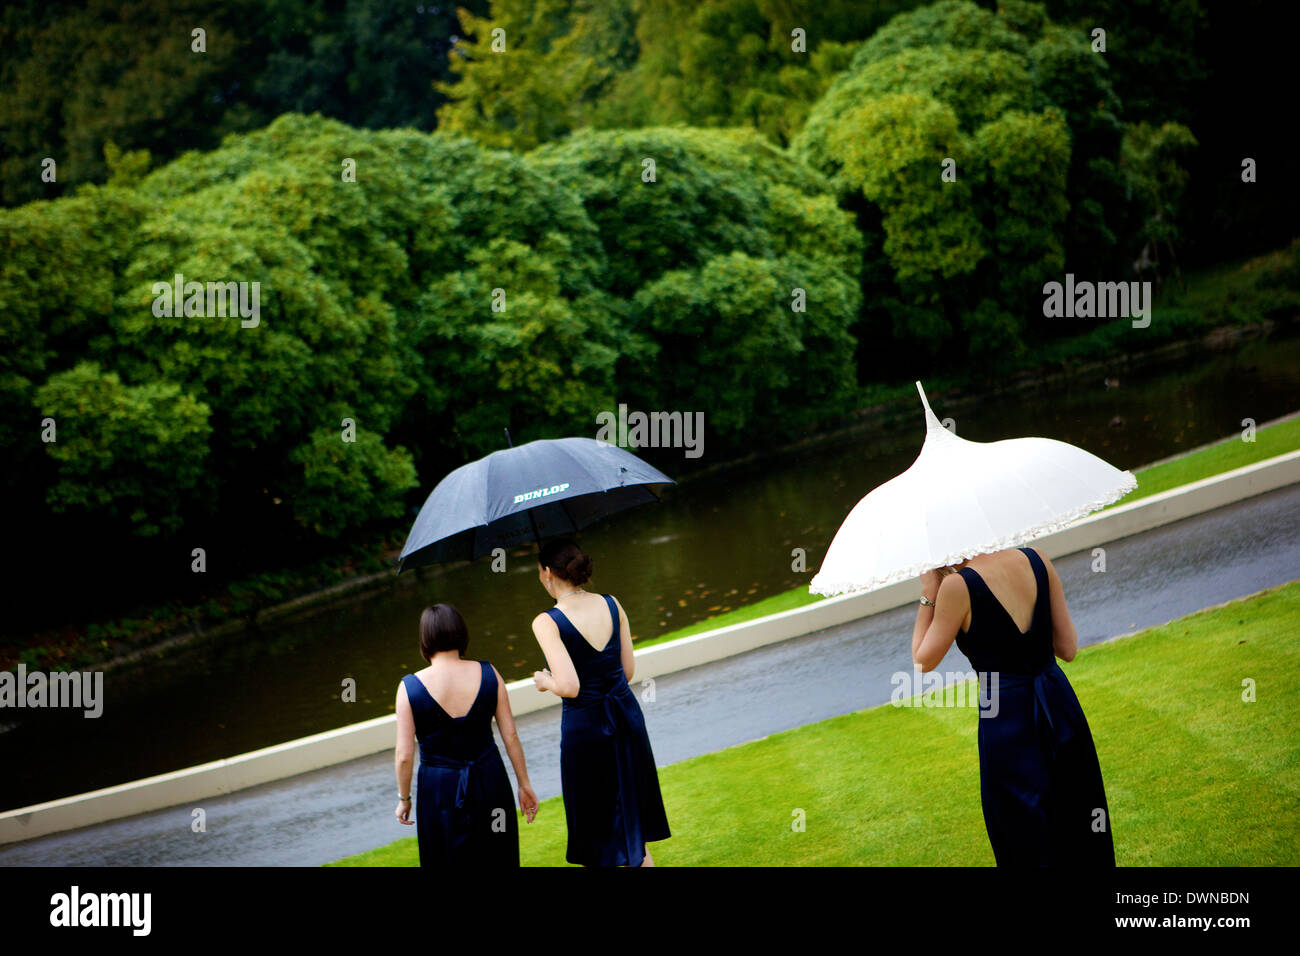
(442, 629)
(564, 558)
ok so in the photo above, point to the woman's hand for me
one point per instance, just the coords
(528, 802)
(930, 582)
(403, 812)
(543, 680)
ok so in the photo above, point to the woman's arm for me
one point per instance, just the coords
(1065, 639)
(559, 678)
(936, 627)
(625, 640)
(404, 758)
(930, 581)
(514, 749)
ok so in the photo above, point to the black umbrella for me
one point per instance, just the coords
(546, 487)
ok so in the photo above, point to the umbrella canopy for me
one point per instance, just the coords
(962, 498)
(546, 487)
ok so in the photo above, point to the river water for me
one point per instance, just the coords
(716, 542)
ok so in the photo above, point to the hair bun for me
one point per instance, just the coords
(567, 560)
(578, 570)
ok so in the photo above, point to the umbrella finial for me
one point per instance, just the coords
(930, 420)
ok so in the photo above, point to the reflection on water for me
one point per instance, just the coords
(715, 543)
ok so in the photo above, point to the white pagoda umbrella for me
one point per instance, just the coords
(962, 498)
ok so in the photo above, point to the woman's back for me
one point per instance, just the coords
(590, 615)
(453, 705)
(595, 646)
(1009, 628)
(453, 684)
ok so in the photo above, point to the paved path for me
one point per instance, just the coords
(327, 814)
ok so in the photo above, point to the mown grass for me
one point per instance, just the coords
(1225, 455)
(1195, 775)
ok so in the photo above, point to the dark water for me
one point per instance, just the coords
(716, 542)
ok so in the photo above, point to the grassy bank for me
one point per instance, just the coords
(1195, 776)
(1230, 453)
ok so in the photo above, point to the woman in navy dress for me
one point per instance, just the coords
(465, 815)
(1040, 780)
(611, 793)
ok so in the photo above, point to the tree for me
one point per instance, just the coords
(986, 146)
(1152, 161)
(532, 71)
(137, 453)
(709, 253)
(77, 76)
(613, 64)
(349, 484)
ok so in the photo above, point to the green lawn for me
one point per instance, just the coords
(786, 600)
(1225, 455)
(1194, 775)
(1215, 459)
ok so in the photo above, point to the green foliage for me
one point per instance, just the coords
(120, 69)
(125, 169)
(1022, 165)
(347, 484)
(953, 23)
(544, 363)
(533, 69)
(1021, 111)
(727, 341)
(931, 230)
(78, 76)
(714, 192)
(57, 283)
(570, 64)
(1151, 50)
(378, 301)
(139, 452)
(1152, 160)
(709, 254)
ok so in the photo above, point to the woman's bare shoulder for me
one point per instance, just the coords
(953, 583)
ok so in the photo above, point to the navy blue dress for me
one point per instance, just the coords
(465, 807)
(1040, 781)
(611, 793)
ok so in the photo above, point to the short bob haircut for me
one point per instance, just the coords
(442, 629)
